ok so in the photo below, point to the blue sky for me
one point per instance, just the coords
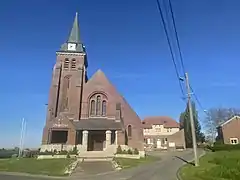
(126, 40)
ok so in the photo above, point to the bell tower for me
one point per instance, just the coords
(69, 77)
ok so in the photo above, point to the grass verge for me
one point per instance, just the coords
(222, 165)
(128, 163)
(51, 167)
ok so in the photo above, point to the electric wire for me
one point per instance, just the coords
(181, 56)
(170, 47)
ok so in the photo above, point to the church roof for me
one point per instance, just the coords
(97, 124)
(99, 77)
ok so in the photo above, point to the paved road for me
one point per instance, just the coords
(162, 170)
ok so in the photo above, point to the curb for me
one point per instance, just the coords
(178, 171)
(32, 175)
(70, 169)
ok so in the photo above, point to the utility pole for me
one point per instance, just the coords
(192, 121)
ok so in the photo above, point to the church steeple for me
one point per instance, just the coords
(74, 36)
(73, 44)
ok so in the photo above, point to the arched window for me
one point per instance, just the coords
(73, 64)
(66, 63)
(104, 108)
(98, 105)
(92, 108)
(129, 130)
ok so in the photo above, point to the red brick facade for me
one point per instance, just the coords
(71, 95)
(229, 131)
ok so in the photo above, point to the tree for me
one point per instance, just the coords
(215, 117)
(186, 125)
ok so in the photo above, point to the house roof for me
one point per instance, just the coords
(228, 121)
(168, 122)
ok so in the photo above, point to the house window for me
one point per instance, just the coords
(92, 108)
(234, 140)
(129, 130)
(104, 108)
(66, 63)
(73, 64)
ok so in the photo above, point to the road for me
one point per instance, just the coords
(161, 170)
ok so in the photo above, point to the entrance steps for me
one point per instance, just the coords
(96, 156)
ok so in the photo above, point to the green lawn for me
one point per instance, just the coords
(51, 167)
(221, 165)
(128, 163)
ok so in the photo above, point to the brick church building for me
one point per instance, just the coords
(85, 113)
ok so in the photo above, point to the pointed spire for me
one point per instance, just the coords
(74, 36)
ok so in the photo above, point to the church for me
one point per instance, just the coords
(87, 113)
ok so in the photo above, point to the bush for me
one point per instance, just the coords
(129, 151)
(224, 147)
(135, 151)
(68, 156)
(119, 150)
(46, 153)
(73, 151)
(7, 153)
(63, 152)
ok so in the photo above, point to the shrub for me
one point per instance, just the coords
(74, 151)
(7, 153)
(46, 153)
(135, 151)
(119, 150)
(224, 147)
(68, 156)
(129, 151)
(63, 152)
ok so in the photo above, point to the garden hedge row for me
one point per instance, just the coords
(224, 147)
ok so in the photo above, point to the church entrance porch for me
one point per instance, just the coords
(96, 140)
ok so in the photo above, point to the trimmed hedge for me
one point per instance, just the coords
(7, 153)
(224, 147)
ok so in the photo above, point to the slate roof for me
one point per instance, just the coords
(168, 122)
(97, 124)
(74, 37)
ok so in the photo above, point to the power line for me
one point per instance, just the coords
(176, 34)
(170, 47)
(180, 53)
(197, 99)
